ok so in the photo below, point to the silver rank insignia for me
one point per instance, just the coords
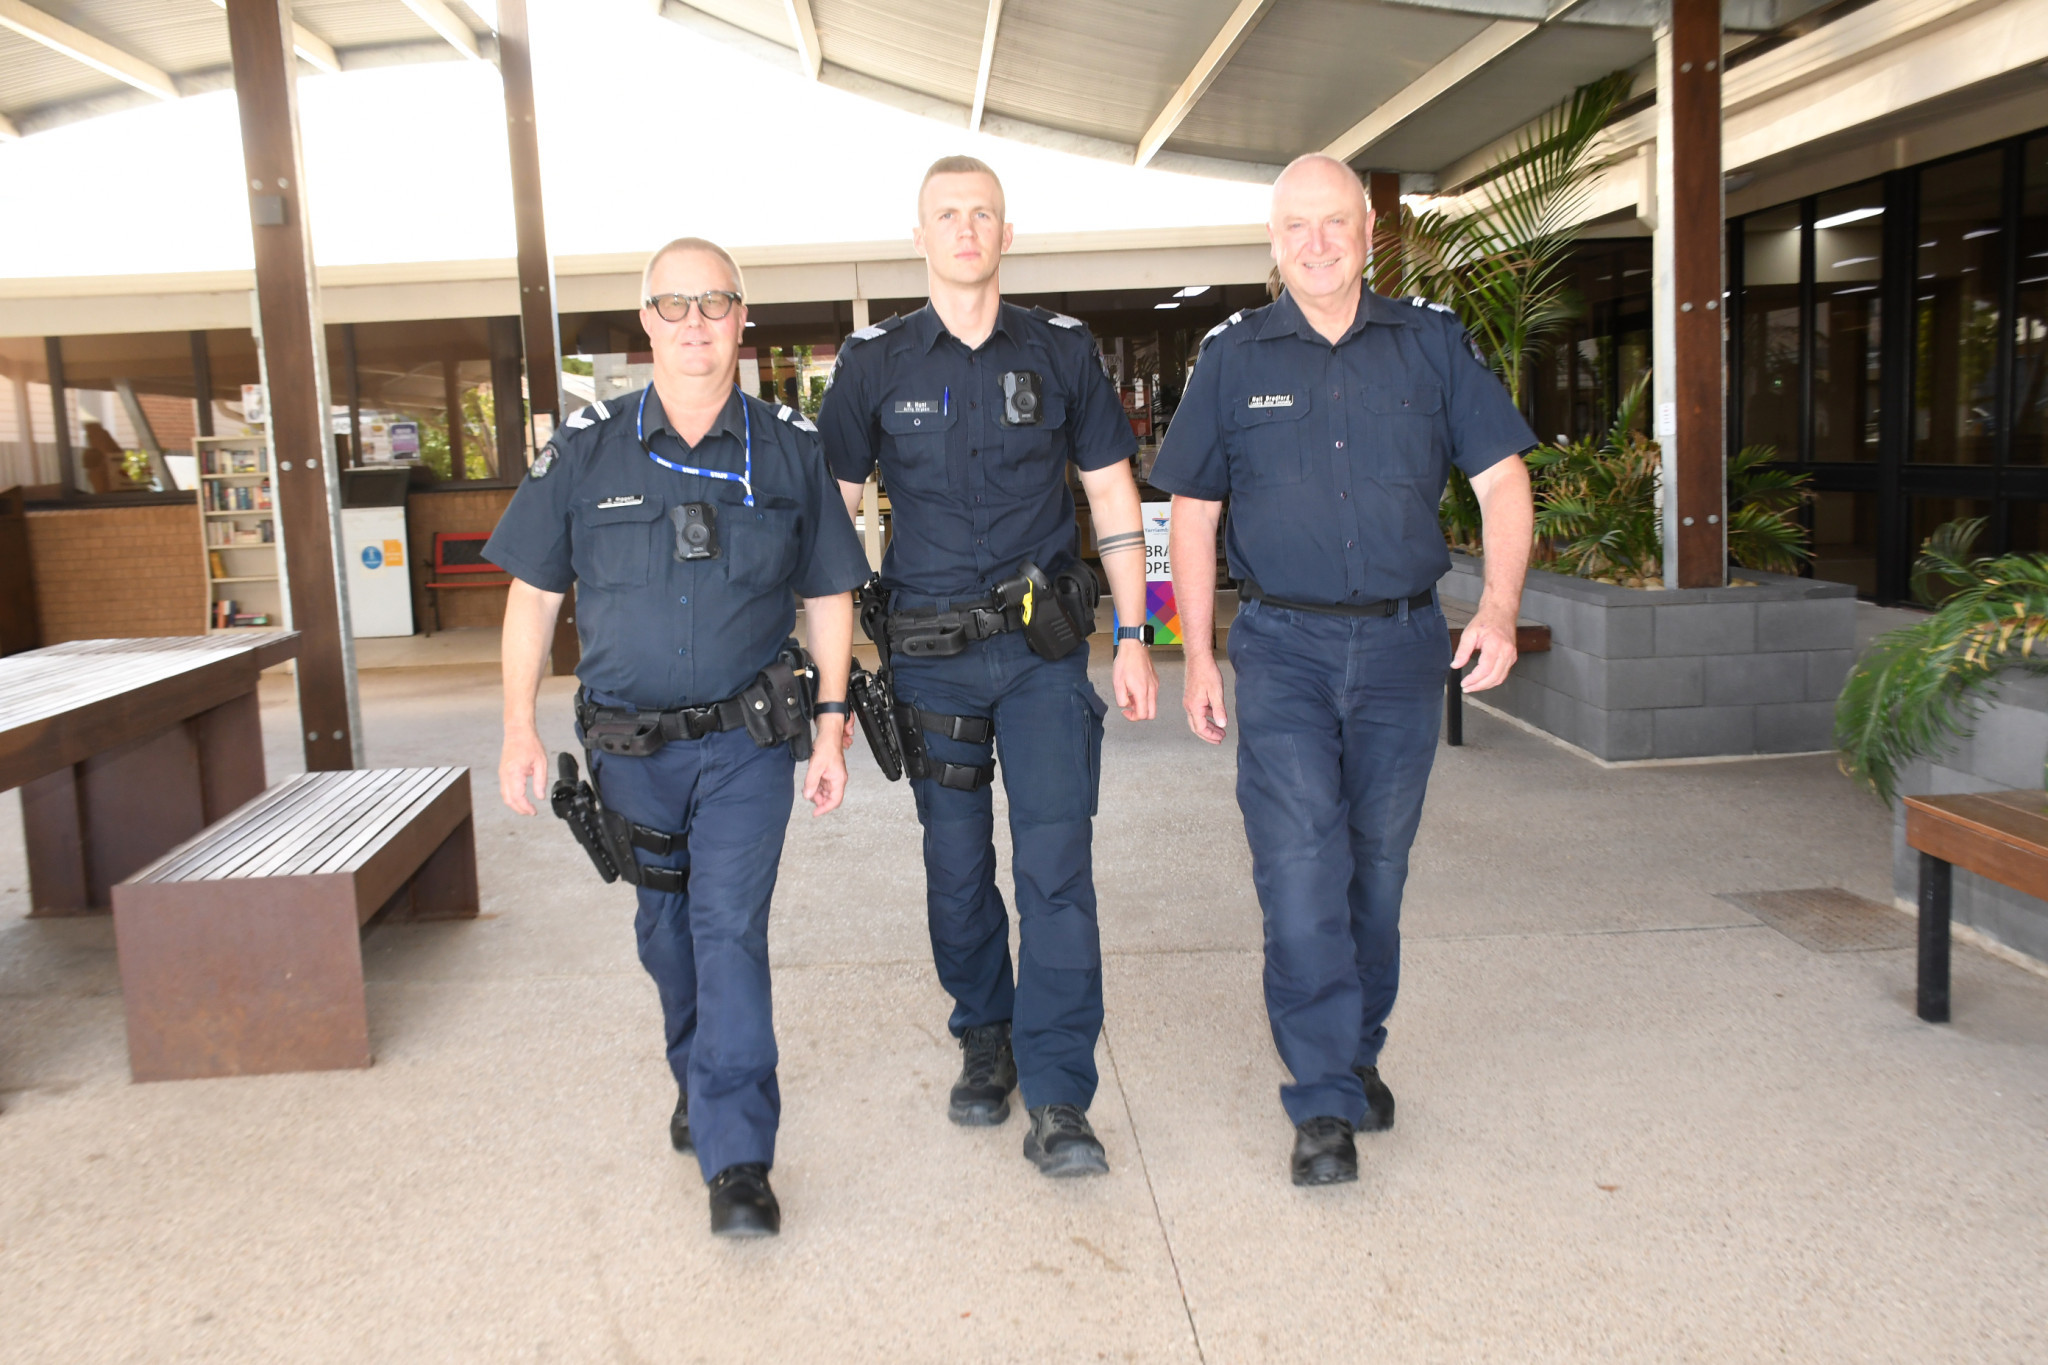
(543, 462)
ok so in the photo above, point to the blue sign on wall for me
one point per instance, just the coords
(373, 558)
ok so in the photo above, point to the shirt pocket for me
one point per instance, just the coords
(761, 546)
(1031, 460)
(1407, 422)
(1265, 445)
(614, 546)
(914, 456)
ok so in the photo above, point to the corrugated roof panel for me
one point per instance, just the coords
(175, 35)
(35, 76)
(933, 47)
(371, 23)
(1103, 70)
(1534, 77)
(1312, 69)
(762, 18)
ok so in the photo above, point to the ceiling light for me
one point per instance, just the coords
(1859, 289)
(1974, 234)
(1853, 260)
(1169, 304)
(1192, 291)
(1925, 245)
(1852, 216)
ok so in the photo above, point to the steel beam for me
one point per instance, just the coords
(444, 21)
(1214, 58)
(804, 33)
(294, 353)
(988, 56)
(80, 46)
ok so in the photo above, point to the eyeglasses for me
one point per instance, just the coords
(712, 303)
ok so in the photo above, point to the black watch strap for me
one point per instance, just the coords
(1143, 634)
(829, 708)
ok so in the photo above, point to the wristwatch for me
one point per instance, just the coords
(829, 708)
(1142, 634)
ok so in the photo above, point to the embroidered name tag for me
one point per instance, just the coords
(633, 501)
(917, 405)
(1270, 400)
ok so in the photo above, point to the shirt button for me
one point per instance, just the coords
(1342, 494)
(1340, 445)
(684, 600)
(1336, 393)
(1350, 544)
(682, 651)
(973, 454)
(977, 497)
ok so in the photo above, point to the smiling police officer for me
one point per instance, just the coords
(973, 409)
(1330, 419)
(690, 517)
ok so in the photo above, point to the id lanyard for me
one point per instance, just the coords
(745, 481)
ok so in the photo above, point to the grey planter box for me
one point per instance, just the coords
(1639, 673)
(2005, 755)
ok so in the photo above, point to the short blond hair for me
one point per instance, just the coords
(962, 165)
(698, 244)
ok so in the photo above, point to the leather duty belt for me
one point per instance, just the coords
(930, 632)
(623, 730)
(1248, 590)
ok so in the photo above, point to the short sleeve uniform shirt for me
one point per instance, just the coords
(973, 494)
(1334, 458)
(657, 630)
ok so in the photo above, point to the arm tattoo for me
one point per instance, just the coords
(1117, 544)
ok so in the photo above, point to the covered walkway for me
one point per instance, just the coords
(1635, 1122)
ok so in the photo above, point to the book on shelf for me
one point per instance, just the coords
(219, 565)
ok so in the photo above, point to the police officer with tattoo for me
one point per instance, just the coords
(1329, 419)
(689, 517)
(973, 408)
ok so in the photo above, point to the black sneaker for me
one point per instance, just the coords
(1061, 1143)
(1379, 1101)
(742, 1205)
(679, 1124)
(1324, 1153)
(988, 1072)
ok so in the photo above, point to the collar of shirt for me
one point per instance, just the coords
(729, 422)
(1285, 318)
(926, 327)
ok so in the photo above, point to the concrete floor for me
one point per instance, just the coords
(1634, 1122)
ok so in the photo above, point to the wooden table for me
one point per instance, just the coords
(124, 749)
(1531, 637)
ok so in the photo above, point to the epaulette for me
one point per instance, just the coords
(582, 418)
(1044, 314)
(1220, 328)
(868, 333)
(796, 419)
(1417, 301)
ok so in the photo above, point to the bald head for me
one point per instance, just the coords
(1320, 225)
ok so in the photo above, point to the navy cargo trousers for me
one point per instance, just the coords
(1048, 748)
(1336, 730)
(706, 946)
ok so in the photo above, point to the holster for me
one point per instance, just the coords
(895, 732)
(1055, 622)
(874, 702)
(608, 837)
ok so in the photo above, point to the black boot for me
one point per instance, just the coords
(679, 1124)
(1324, 1153)
(1379, 1101)
(1061, 1143)
(742, 1205)
(988, 1072)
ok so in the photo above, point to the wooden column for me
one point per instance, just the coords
(355, 394)
(539, 327)
(60, 416)
(295, 366)
(1686, 318)
(1383, 192)
(508, 409)
(451, 396)
(202, 385)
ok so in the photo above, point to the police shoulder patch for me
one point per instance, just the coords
(543, 462)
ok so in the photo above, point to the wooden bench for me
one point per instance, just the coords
(2001, 836)
(459, 563)
(241, 949)
(1531, 637)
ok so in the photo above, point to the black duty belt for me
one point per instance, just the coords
(625, 730)
(1248, 590)
(920, 631)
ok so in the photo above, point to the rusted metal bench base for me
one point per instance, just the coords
(241, 950)
(2001, 836)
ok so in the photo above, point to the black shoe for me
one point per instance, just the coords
(1061, 1143)
(742, 1205)
(1379, 1101)
(988, 1072)
(1324, 1153)
(679, 1124)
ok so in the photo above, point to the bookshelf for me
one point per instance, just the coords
(238, 530)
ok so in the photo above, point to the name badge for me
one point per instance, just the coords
(1270, 400)
(919, 406)
(633, 501)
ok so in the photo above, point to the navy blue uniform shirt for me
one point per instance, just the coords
(1334, 458)
(658, 631)
(972, 495)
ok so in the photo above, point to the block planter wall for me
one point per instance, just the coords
(2004, 755)
(1639, 673)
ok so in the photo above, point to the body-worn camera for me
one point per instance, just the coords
(1023, 398)
(696, 530)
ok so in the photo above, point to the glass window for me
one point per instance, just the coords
(2030, 324)
(1930, 513)
(1957, 280)
(1845, 539)
(2026, 528)
(1848, 266)
(1770, 330)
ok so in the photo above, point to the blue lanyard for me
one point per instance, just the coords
(745, 481)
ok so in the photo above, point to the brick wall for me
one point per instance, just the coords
(463, 509)
(106, 572)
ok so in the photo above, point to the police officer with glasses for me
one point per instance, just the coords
(1329, 419)
(973, 408)
(689, 517)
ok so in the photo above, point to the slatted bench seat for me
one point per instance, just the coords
(2002, 836)
(241, 949)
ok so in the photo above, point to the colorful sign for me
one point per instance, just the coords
(405, 440)
(1161, 611)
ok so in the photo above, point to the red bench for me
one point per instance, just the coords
(459, 563)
